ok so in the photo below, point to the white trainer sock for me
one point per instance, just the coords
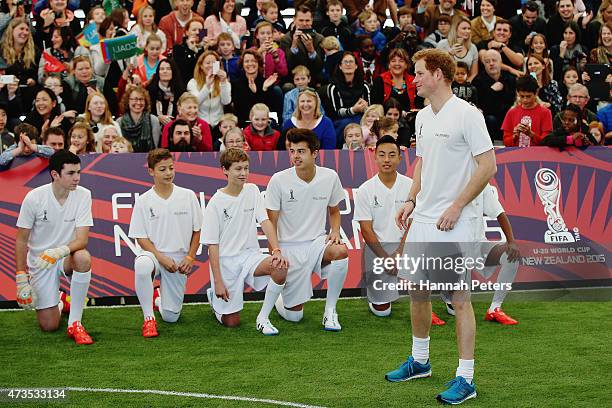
(272, 292)
(336, 273)
(420, 349)
(79, 285)
(143, 268)
(466, 370)
(506, 275)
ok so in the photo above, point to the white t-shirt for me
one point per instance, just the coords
(53, 225)
(168, 224)
(231, 222)
(447, 143)
(379, 204)
(303, 206)
(492, 208)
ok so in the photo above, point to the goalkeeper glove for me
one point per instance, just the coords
(51, 256)
(25, 295)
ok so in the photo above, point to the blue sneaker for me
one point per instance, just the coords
(409, 370)
(458, 391)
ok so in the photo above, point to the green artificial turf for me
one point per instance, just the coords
(557, 356)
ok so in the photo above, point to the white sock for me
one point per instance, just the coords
(143, 268)
(466, 370)
(420, 349)
(60, 304)
(506, 275)
(336, 273)
(272, 292)
(79, 285)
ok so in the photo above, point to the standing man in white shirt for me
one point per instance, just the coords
(166, 223)
(298, 200)
(231, 219)
(53, 230)
(455, 161)
(383, 194)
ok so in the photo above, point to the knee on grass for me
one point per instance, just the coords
(169, 317)
(231, 320)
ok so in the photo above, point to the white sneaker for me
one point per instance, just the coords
(380, 313)
(449, 309)
(210, 294)
(266, 327)
(330, 320)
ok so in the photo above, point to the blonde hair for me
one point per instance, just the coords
(107, 117)
(200, 75)
(9, 54)
(186, 97)
(301, 69)
(298, 113)
(259, 107)
(139, 18)
(330, 43)
(121, 139)
(365, 15)
(90, 144)
(452, 34)
(352, 126)
(372, 108)
(229, 117)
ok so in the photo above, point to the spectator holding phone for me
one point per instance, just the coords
(186, 53)
(211, 86)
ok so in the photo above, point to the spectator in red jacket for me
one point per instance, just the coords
(259, 134)
(528, 117)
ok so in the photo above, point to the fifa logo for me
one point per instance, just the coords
(376, 203)
(151, 212)
(291, 197)
(44, 218)
(226, 216)
(548, 187)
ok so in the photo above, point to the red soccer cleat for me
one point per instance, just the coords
(499, 316)
(149, 328)
(436, 321)
(77, 332)
(65, 299)
(155, 296)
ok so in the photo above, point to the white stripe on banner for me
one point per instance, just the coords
(192, 395)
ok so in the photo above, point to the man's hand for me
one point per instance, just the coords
(498, 86)
(25, 298)
(401, 218)
(279, 262)
(168, 263)
(449, 218)
(334, 237)
(270, 81)
(308, 44)
(221, 291)
(186, 265)
(513, 252)
(50, 257)
(197, 132)
(297, 34)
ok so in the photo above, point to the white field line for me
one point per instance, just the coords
(184, 394)
(192, 395)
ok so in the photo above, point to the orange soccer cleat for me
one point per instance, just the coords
(149, 328)
(498, 315)
(436, 321)
(77, 332)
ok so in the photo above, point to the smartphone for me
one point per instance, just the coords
(202, 34)
(216, 67)
(7, 79)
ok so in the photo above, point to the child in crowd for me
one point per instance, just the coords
(444, 26)
(146, 64)
(301, 80)
(227, 52)
(145, 26)
(368, 58)
(353, 137)
(332, 56)
(529, 122)
(121, 145)
(371, 26)
(370, 115)
(461, 87)
(228, 121)
(387, 127)
(269, 11)
(573, 131)
(81, 139)
(259, 135)
(336, 26)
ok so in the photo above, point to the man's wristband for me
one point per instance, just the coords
(190, 258)
(21, 272)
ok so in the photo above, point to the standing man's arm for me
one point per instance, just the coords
(485, 170)
(401, 218)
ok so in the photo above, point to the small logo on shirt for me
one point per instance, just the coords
(152, 215)
(181, 212)
(226, 216)
(420, 136)
(319, 198)
(249, 209)
(291, 197)
(376, 204)
(44, 218)
(442, 135)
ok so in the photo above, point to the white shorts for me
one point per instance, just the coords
(46, 283)
(422, 239)
(236, 271)
(172, 285)
(304, 259)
